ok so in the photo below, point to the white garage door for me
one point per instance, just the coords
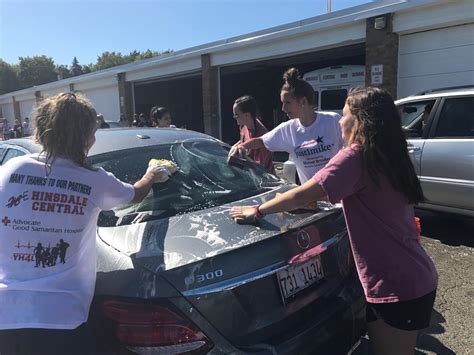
(436, 59)
(8, 113)
(26, 107)
(105, 101)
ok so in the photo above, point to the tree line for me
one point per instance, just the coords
(41, 69)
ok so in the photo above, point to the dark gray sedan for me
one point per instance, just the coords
(175, 274)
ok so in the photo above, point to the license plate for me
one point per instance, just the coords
(298, 277)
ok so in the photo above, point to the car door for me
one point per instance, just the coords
(447, 159)
(411, 114)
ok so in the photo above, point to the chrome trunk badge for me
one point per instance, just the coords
(302, 239)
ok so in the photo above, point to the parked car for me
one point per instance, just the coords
(440, 129)
(175, 274)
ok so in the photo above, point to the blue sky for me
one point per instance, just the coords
(62, 29)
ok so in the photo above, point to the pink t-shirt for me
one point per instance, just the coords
(391, 263)
(261, 155)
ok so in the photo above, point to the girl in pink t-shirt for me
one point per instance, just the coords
(245, 113)
(376, 182)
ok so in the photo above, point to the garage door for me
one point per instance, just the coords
(8, 113)
(26, 107)
(105, 101)
(435, 59)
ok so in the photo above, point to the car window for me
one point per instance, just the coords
(204, 179)
(456, 118)
(12, 153)
(2, 150)
(333, 99)
(413, 111)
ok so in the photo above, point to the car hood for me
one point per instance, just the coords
(167, 243)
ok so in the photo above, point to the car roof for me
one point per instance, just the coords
(437, 93)
(115, 139)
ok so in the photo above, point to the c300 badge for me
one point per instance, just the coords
(303, 239)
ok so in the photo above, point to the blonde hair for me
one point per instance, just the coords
(65, 124)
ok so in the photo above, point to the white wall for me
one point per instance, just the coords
(105, 101)
(26, 107)
(8, 113)
(435, 59)
(54, 91)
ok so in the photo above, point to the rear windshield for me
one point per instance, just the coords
(204, 179)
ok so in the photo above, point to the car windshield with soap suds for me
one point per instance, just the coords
(204, 178)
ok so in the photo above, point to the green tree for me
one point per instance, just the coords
(8, 78)
(76, 68)
(36, 70)
(87, 68)
(132, 56)
(109, 60)
(63, 71)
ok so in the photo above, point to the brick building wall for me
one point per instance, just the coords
(210, 97)
(125, 97)
(381, 48)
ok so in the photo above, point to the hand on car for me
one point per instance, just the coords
(160, 173)
(237, 149)
(243, 214)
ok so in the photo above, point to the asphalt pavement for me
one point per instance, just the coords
(449, 240)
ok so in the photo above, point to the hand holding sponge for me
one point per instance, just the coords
(162, 169)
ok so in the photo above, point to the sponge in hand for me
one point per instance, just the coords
(168, 164)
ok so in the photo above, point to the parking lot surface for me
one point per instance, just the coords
(449, 240)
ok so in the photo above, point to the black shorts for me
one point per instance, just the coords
(405, 315)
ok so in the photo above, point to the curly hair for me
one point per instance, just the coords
(378, 132)
(65, 124)
(296, 86)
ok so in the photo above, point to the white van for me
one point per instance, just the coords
(332, 84)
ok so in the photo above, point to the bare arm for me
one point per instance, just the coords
(295, 198)
(143, 186)
(253, 143)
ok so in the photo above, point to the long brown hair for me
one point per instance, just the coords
(378, 132)
(65, 123)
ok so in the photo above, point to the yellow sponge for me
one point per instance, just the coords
(168, 164)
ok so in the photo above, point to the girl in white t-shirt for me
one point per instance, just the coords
(44, 305)
(311, 138)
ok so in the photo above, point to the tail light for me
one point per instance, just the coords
(157, 328)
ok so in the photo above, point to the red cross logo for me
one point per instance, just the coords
(6, 221)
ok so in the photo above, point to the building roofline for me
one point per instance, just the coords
(331, 20)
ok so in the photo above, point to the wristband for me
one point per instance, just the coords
(258, 214)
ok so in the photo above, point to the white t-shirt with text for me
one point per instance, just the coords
(48, 240)
(311, 147)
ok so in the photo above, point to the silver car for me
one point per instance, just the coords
(440, 130)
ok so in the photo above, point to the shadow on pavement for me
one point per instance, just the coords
(426, 343)
(448, 229)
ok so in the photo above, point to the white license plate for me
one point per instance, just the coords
(298, 277)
